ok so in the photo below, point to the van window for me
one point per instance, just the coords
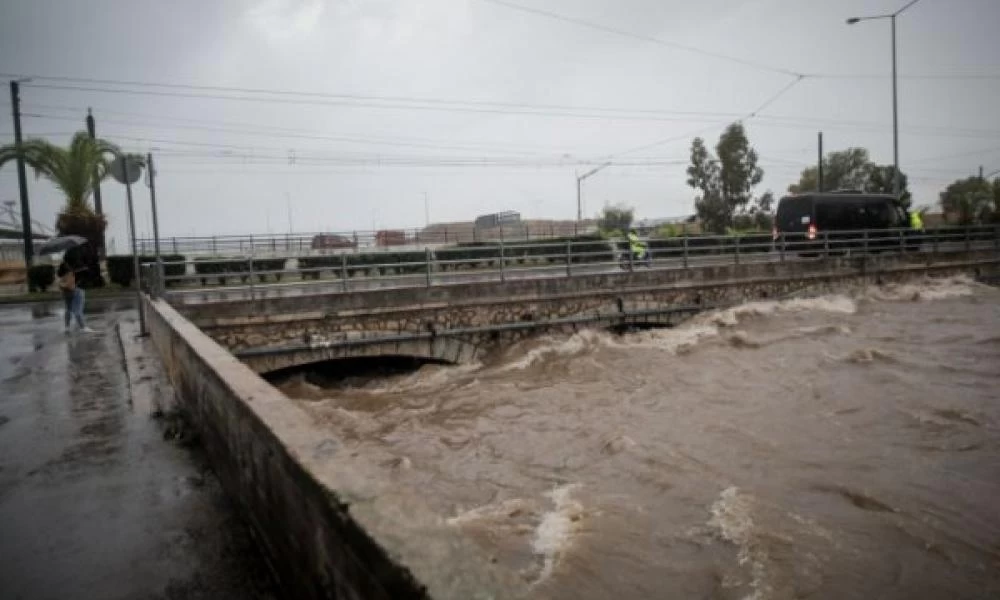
(840, 214)
(794, 213)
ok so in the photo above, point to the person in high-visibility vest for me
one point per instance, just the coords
(637, 247)
(916, 221)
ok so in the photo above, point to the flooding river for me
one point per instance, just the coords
(838, 447)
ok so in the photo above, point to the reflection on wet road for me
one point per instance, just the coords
(94, 503)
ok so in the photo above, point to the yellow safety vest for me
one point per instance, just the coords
(916, 222)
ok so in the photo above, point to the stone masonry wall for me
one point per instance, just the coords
(330, 523)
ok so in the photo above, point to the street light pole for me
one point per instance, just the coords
(22, 179)
(895, 116)
(896, 178)
(579, 182)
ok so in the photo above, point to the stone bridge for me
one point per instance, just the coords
(458, 323)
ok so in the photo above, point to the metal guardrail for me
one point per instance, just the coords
(296, 244)
(503, 261)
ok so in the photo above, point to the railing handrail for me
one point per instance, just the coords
(563, 258)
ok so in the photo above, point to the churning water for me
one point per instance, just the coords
(846, 446)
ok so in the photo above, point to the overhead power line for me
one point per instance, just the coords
(643, 38)
(457, 108)
(334, 99)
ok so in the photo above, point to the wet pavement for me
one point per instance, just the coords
(98, 496)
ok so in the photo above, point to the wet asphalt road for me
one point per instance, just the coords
(94, 501)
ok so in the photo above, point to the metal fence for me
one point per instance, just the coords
(256, 277)
(292, 244)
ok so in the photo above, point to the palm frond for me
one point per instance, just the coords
(72, 169)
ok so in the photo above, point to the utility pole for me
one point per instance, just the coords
(980, 172)
(152, 198)
(819, 165)
(98, 205)
(22, 180)
(427, 211)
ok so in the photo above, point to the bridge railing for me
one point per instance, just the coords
(335, 242)
(502, 261)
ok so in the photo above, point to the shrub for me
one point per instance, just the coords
(40, 277)
(121, 270)
(275, 265)
(318, 262)
(221, 268)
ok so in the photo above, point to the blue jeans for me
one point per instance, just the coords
(74, 307)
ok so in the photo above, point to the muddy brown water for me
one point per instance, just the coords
(846, 446)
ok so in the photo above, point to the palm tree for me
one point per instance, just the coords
(73, 171)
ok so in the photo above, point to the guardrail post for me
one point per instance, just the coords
(250, 265)
(501, 260)
(569, 260)
(826, 244)
(968, 240)
(427, 264)
(737, 244)
(343, 270)
(864, 243)
(782, 250)
(685, 245)
(175, 245)
(934, 243)
(996, 238)
(902, 242)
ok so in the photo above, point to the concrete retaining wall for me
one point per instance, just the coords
(330, 523)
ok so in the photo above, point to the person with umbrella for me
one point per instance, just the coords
(73, 295)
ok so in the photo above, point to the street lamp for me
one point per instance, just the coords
(579, 180)
(895, 107)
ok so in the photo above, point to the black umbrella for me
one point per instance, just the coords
(61, 244)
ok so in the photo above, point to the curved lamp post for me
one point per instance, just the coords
(895, 107)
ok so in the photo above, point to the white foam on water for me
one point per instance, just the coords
(928, 289)
(732, 518)
(506, 509)
(730, 317)
(570, 346)
(554, 533)
(709, 325)
(427, 377)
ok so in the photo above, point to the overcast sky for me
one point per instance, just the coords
(485, 107)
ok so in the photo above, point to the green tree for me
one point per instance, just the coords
(844, 170)
(703, 175)
(73, 171)
(880, 181)
(969, 200)
(726, 183)
(616, 219)
(738, 170)
(852, 169)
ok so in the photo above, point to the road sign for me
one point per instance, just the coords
(126, 169)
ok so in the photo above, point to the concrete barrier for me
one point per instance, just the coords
(330, 521)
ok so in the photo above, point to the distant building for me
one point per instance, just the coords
(326, 241)
(500, 219)
(390, 238)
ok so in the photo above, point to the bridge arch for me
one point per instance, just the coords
(445, 350)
